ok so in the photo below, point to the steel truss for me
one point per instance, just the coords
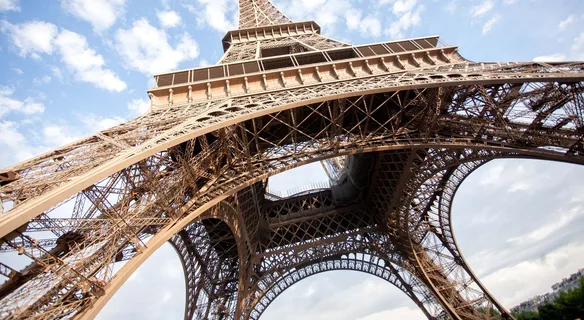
(398, 136)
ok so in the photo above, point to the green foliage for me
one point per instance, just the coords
(527, 315)
(569, 305)
(492, 313)
(550, 311)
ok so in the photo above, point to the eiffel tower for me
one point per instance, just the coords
(399, 125)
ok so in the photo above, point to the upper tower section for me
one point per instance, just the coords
(257, 13)
(269, 52)
(264, 31)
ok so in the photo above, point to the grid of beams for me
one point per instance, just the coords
(195, 172)
(247, 147)
(254, 13)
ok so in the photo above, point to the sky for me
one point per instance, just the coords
(73, 67)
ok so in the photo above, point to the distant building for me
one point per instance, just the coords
(565, 284)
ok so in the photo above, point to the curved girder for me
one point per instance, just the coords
(184, 158)
(340, 247)
(34, 194)
(380, 268)
(165, 234)
(428, 196)
(340, 257)
(438, 215)
(206, 295)
(211, 267)
(258, 161)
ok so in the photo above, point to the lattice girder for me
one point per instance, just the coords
(194, 170)
(279, 47)
(347, 258)
(254, 149)
(435, 252)
(451, 155)
(255, 13)
(340, 245)
(211, 267)
(34, 174)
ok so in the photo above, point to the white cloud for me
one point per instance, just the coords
(25, 139)
(9, 5)
(215, 13)
(406, 21)
(311, 290)
(353, 18)
(18, 71)
(20, 143)
(516, 179)
(481, 9)
(14, 144)
(576, 52)
(368, 26)
(494, 175)
(33, 37)
(168, 19)
(509, 2)
(203, 63)
(146, 48)
(451, 7)
(94, 123)
(578, 47)
(371, 26)
(407, 15)
(85, 63)
(42, 80)
(58, 135)
(57, 72)
(9, 104)
(403, 6)
(399, 313)
(556, 57)
(328, 13)
(139, 106)
(514, 284)
(564, 23)
(101, 14)
(172, 270)
(561, 219)
(489, 24)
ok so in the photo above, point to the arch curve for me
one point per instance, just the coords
(210, 240)
(202, 123)
(509, 152)
(242, 163)
(374, 266)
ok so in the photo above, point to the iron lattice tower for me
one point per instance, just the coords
(405, 123)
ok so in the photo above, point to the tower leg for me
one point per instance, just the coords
(427, 239)
(215, 251)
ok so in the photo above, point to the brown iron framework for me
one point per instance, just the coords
(405, 122)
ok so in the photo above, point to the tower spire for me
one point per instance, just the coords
(255, 13)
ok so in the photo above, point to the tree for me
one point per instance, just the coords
(571, 302)
(550, 311)
(569, 305)
(527, 315)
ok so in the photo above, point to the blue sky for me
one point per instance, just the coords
(73, 67)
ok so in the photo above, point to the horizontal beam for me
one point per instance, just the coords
(289, 71)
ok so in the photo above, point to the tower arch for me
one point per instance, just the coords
(386, 271)
(282, 96)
